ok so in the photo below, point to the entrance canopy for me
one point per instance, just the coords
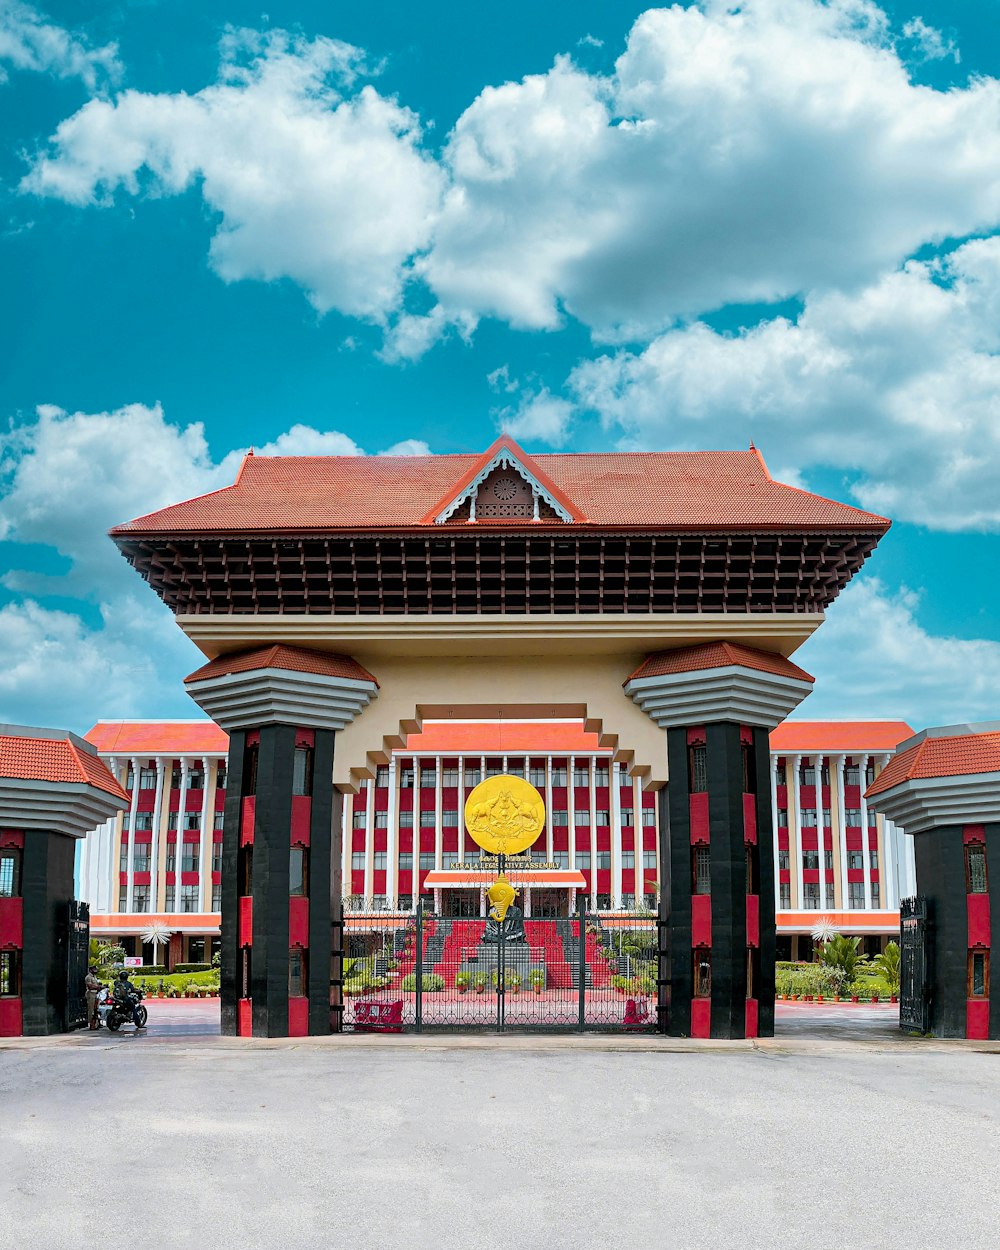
(568, 879)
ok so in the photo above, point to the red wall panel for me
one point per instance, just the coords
(753, 920)
(750, 818)
(10, 1017)
(298, 921)
(701, 1017)
(247, 822)
(12, 922)
(301, 816)
(750, 1029)
(246, 922)
(977, 1019)
(298, 1017)
(698, 806)
(244, 1018)
(701, 920)
(978, 909)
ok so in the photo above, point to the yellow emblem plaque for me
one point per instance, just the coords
(504, 814)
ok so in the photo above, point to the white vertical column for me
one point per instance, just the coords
(181, 821)
(129, 873)
(839, 763)
(773, 772)
(107, 870)
(461, 809)
(638, 836)
(615, 782)
(797, 810)
(817, 767)
(549, 839)
(592, 800)
(527, 902)
(438, 824)
(571, 809)
(154, 845)
(347, 845)
(206, 838)
(503, 762)
(392, 840)
(865, 854)
(369, 844)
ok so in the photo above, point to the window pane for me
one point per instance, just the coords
(10, 885)
(698, 769)
(302, 771)
(296, 973)
(298, 871)
(702, 865)
(975, 855)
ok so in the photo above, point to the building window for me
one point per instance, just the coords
(649, 817)
(559, 819)
(217, 857)
(855, 860)
(220, 776)
(701, 870)
(979, 974)
(975, 868)
(809, 817)
(10, 980)
(827, 819)
(382, 776)
(359, 819)
(628, 902)
(559, 777)
(604, 818)
(123, 898)
(810, 859)
(298, 871)
(140, 857)
(427, 819)
(852, 816)
(144, 820)
(869, 773)
(449, 820)
(873, 859)
(603, 859)
(494, 768)
(872, 819)
(783, 861)
(192, 821)
(852, 775)
(169, 895)
(581, 775)
(406, 861)
(189, 857)
(217, 896)
(297, 983)
(782, 817)
(250, 759)
(856, 895)
(649, 859)
(172, 820)
(381, 820)
(560, 859)
(875, 895)
(380, 861)
(807, 775)
(171, 861)
(147, 778)
(628, 817)
(406, 820)
(220, 820)
(302, 770)
(196, 779)
(536, 776)
(189, 898)
(473, 775)
(358, 861)
(140, 898)
(405, 779)
(697, 769)
(175, 778)
(426, 859)
(449, 778)
(702, 960)
(601, 776)
(10, 873)
(628, 859)
(811, 900)
(828, 860)
(583, 859)
(428, 778)
(784, 895)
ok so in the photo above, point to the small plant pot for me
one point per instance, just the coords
(462, 989)
(480, 989)
(537, 989)
(893, 998)
(854, 998)
(819, 998)
(875, 998)
(807, 998)
(515, 989)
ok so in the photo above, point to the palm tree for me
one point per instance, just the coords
(842, 952)
(888, 966)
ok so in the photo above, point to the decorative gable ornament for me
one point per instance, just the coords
(506, 485)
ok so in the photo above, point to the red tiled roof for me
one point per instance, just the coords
(717, 655)
(497, 737)
(55, 760)
(636, 490)
(296, 659)
(822, 736)
(956, 756)
(158, 737)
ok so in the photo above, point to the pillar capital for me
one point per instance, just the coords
(718, 681)
(282, 685)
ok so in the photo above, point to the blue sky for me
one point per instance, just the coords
(350, 228)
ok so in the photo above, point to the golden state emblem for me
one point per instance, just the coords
(504, 814)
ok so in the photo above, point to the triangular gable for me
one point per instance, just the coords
(504, 453)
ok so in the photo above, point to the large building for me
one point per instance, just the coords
(404, 839)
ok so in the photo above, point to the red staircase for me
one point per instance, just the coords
(463, 939)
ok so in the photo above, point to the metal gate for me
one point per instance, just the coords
(578, 972)
(77, 958)
(915, 956)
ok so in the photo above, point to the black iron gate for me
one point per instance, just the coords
(583, 971)
(915, 971)
(77, 958)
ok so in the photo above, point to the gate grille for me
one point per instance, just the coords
(914, 971)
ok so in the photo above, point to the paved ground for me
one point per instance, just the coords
(519, 1142)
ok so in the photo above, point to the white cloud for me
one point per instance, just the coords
(312, 182)
(738, 154)
(898, 385)
(303, 440)
(543, 417)
(930, 42)
(407, 447)
(29, 42)
(872, 657)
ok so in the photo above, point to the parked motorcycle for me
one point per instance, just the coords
(128, 1010)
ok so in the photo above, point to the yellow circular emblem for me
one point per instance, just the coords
(504, 814)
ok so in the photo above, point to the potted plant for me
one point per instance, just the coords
(462, 982)
(515, 984)
(536, 979)
(479, 985)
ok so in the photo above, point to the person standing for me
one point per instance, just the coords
(93, 988)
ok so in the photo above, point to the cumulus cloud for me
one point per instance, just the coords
(65, 479)
(541, 416)
(872, 656)
(898, 385)
(314, 180)
(930, 44)
(29, 42)
(737, 154)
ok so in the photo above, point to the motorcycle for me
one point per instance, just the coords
(126, 1011)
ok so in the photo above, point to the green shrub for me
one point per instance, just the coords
(430, 982)
(805, 979)
(193, 968)
(536, 977)
(462, 978)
